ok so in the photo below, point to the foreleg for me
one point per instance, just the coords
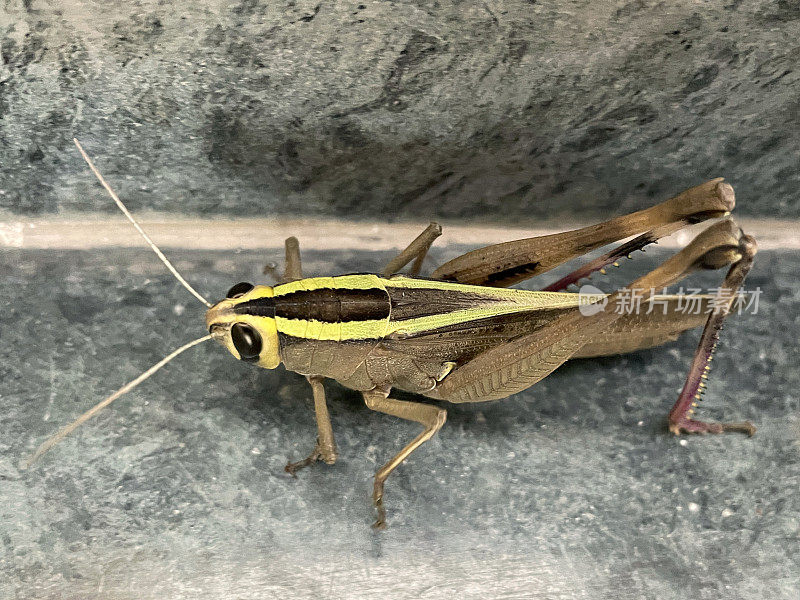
(325, 448)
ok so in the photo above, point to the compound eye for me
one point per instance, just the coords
(247, 341)
(239, 289)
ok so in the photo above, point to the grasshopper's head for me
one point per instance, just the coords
(245, 324)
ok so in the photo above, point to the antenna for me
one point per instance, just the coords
(124, 210)
(66, 430)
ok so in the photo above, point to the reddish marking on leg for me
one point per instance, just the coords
(611, 257)
(680, 420)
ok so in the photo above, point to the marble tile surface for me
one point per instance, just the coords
(572, 489)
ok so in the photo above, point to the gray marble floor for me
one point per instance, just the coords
(572, 489)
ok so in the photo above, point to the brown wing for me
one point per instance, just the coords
(638, 331)
(461, 342)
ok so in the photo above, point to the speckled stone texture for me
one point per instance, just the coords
(572, 489)
(496, 109)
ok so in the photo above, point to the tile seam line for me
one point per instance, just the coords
(314, 234)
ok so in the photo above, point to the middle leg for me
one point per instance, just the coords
(416, 251)
(430, 417)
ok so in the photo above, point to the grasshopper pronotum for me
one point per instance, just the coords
(462, 335)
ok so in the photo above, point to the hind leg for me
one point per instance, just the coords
(503, 265)
(680, 417)
(520, 363)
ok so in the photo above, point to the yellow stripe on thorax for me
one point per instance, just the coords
(342, 282)
(338, 332)
(503, 301)
(317, 330)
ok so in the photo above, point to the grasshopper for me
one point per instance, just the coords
(463, 335)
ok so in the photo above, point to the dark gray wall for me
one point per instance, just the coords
(502, 109)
